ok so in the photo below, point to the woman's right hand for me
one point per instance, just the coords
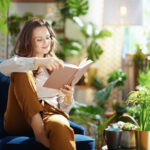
(51, 63)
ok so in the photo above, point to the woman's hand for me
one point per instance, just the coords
(68, 92)
(51, 63)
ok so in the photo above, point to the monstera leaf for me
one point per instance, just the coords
(94, 50)
(78, 7)
(69, 48)
(103, 33)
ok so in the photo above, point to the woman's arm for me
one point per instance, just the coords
(24, 64)
(17, 64)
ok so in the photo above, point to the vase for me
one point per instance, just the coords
(143, 140)
(128, 139)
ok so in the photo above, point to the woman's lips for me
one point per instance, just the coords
(45, 47)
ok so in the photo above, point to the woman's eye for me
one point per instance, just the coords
(39, 40)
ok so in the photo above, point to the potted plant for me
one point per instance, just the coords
(141, 98)
(93, 117)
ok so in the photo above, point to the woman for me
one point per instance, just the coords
(36, 108)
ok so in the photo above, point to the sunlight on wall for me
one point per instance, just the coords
(2, 46)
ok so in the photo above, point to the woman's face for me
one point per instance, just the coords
(41, 41)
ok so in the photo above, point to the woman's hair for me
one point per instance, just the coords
(23, 46)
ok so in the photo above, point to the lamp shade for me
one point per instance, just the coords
(123, 12)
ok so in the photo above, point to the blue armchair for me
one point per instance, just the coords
(7, 142)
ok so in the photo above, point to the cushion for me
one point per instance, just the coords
(28, 143)
(77, 128)
(84, 142)
(20, 143)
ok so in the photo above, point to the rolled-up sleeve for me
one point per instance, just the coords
(17, 64)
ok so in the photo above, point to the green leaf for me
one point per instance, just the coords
(94, 51)
(80, 120)
(117, 75)
(102, 127)
(88, 30)
(104, 33)
(78, 7)
(102, 95)
(4, 4)
(144, 78)
(69, 48)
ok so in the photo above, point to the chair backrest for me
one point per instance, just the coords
(4, 85)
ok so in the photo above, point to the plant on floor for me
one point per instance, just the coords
(93, 117)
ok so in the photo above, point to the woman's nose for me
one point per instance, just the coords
(45, 41)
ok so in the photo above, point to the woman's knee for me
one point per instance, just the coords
(57, 122)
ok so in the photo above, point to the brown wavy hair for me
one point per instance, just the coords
(23, 46)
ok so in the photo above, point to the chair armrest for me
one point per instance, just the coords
(77, 128)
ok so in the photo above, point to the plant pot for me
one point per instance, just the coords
(143, 140)
(112, 138)
(128, 139)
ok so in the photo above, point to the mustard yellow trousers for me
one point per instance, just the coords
(23, 104)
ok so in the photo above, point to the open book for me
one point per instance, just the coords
(68, 74)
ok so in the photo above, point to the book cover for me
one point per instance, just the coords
(68, 74)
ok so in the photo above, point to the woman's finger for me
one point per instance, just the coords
(59, 62)
(68, 87)
(66, 91)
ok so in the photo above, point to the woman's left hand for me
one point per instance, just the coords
(68, 91)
